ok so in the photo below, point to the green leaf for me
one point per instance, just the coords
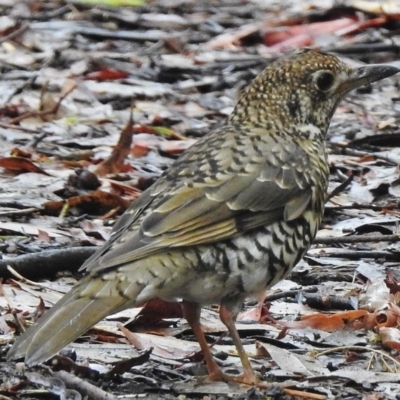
(162, 130)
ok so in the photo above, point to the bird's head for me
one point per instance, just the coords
(301, 89)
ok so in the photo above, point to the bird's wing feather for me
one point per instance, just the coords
(181, 211)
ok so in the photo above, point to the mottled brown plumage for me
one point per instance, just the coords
(230, 218)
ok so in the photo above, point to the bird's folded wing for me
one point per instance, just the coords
(183, 212)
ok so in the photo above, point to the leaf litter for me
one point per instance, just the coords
(98, 99)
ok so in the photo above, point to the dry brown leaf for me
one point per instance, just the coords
(230, 41)
(355, 319)
(328, 323)
(282, 34)
(390, 337)
(96, 202)
(166, 347)
(115, 162)
(155, 311)
(21, 165)
(140, 150)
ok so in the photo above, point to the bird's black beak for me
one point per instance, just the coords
(367, 74)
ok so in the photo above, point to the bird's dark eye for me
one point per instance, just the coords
(325, 81)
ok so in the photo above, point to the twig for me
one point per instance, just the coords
(5, 397)
(372, 207)
(387, 365)
(341, 187)
(344, 348)
(47, 15)
(324, 302)
(364, 48)
(46, 263)
(290, 293)
(311, 298)
(370, 362)
(24, 280)
(36, 140)
(14, 34)
(304, 395)
(24, 211)
(20, 88)
(42, 93)
(6, 125)
(52, 110)
(357, 239)
(344, 149)
(356, 255)
(83, 387)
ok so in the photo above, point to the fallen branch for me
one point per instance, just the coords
(359, 348)
(356, 255)
(357, 239)
(51, 110)
(85, 388)
(344, 149)
(362, 48)
(289, 293)
(46, 263)
(13, 35)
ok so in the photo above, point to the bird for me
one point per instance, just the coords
(227, 220)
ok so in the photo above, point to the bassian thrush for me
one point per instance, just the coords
(230, 218)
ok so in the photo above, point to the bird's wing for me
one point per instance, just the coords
(199, 202)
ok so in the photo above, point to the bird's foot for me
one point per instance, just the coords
(246, 378)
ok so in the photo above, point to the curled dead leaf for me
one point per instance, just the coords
(329, 323)
(21, 165)
(95, 202)
(115, 162)
(390, 337)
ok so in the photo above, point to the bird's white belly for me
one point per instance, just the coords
(249, 271)
(245, 266)
(209, 288)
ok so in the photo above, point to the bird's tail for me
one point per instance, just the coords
(85, 305)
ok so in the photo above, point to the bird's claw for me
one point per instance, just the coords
(246, 378)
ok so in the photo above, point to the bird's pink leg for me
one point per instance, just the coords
(191, 311)
(248, 377)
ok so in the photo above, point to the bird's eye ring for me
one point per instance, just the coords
(325, 81)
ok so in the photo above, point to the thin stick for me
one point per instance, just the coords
(357, 239)
(342, 348)
(52, 110)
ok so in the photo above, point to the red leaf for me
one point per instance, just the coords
(20, 164)
(106, 74)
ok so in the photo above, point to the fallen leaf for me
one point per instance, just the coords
(327, 322)
(96, 202)
(390, 337)
(155, 311)
(106, 74)
(283, 35)
(21, 165)
(115, 162)
(294, 364)
(166, 347)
